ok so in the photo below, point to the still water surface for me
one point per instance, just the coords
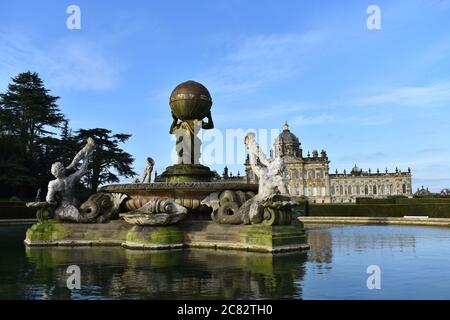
(414, 262)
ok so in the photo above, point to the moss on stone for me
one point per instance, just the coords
(48, 230)
(94, 235)
(207, 234)
(155, 235)
(270, 236)
(119, 235)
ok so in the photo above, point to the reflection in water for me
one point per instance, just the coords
(321, 246)
(188, 274)
(356, 238)
(414, 262)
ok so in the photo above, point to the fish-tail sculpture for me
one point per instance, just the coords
(156, 212)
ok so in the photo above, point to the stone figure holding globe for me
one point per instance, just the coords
(190, 103)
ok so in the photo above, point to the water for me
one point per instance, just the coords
(414, 263)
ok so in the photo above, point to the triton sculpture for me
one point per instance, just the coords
(272, 205)
(61, 202)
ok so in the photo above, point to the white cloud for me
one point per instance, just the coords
(259, 60)
(332, 119)
(269, 112)
(433, 95)
(65, 63)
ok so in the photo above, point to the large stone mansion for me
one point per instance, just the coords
(309, 176)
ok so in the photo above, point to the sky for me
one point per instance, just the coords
(375, 98)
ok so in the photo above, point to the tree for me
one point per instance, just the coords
(34, 134)
(14, 175)
(28, 111)
(29, 116)
(109, 160)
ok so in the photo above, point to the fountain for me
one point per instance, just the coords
(184, 207)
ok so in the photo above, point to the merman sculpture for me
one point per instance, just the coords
(272, 205)
(269, 172)
(61, 202)
(64, 186)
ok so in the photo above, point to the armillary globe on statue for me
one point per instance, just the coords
(190, 100)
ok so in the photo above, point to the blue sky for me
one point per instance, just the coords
(375, 98)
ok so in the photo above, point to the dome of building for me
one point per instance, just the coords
(356, 170)
(287, 143)
(287, 136)
(423, 193)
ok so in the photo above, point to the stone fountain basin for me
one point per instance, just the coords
(188, 194)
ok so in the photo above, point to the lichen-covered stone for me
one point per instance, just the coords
(155, 235)
(47, 231)
(204, 234)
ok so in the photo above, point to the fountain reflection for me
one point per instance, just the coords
(414, 261)
(180, 274)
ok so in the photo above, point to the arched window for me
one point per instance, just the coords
(321, 173)
(297, 174)
(349, 190)
(313, 173)
(314, 191)
(366, 189)
(404, 188)
(391, 189)
(341, 190)
(358, 189)
(374, 189)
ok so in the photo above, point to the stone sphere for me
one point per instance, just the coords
(190, 100)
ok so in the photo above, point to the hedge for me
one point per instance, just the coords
(422, 200)
(437, 210)
(402, 200)
(16, 210)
